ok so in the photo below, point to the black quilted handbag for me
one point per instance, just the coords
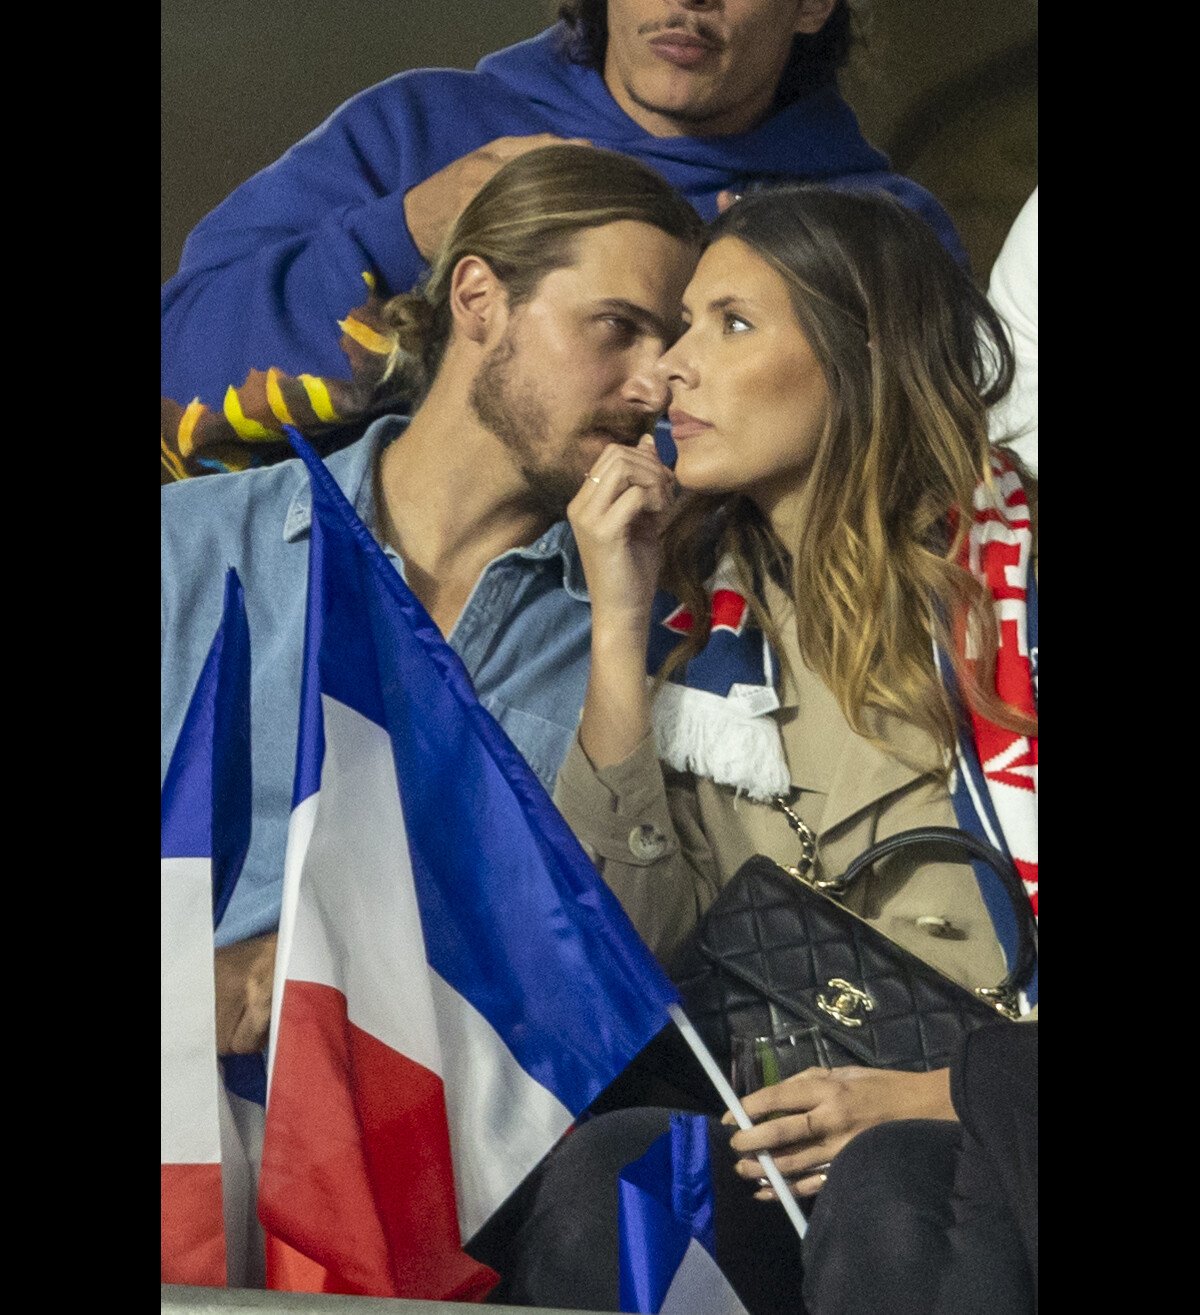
(777, 950)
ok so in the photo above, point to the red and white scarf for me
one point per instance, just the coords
(998, 552)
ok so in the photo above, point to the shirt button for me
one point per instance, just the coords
(933, 925)
(647, 842)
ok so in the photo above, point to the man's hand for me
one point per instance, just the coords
(432, 206)
(806, 1119)
(245, 974)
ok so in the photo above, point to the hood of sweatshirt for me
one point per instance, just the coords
(815, 137)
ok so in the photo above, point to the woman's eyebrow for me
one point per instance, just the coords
(724, 303)
(720, 304)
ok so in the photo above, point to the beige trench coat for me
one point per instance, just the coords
(666, 841)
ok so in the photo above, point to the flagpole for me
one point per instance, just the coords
(726, 1092)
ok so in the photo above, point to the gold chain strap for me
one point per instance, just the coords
(808, 842)
(805, 869)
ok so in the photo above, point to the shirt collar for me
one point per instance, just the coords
(558, 543)
(353, 468)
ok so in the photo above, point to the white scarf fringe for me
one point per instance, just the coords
(696, 731)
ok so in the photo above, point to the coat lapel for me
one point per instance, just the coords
(865, 773)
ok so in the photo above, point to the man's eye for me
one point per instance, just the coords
(619, 327)
(735, 323)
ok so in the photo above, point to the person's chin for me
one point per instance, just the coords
(685, 94)
(695, 476)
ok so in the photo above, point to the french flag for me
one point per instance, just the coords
(666, 1233)
(205, 834)
(454, 982)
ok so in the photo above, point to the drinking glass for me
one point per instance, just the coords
(761, 1061)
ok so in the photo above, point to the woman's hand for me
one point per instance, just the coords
(618, 518)
(805, 1120)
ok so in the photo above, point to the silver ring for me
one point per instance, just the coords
(595, 479)
(764, 1182)
(820, 1170)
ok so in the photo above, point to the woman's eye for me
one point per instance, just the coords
(735, 323)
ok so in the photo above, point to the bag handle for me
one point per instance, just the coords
(1027, 937)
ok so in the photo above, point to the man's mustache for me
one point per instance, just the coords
(625, 426)
(696, 27)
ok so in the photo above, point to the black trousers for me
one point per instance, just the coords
(934, 1218)
(556, 1244)
(918, 1217)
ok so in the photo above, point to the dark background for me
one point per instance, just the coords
(948, 88)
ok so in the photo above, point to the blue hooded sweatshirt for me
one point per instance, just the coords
(265, 277)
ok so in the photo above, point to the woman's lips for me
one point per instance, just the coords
(685, 426)
(680, 50)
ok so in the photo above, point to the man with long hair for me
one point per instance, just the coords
(715, 95)
(537, 332)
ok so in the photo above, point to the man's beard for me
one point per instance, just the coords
(515, 413)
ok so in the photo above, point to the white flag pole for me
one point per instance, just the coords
(726, 1092)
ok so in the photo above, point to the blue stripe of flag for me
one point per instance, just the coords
(664, 1200)
(515, 916)
(206, 792)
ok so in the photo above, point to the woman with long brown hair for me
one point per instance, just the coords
(837, 584)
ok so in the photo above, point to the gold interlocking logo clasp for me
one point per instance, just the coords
(847, 1003)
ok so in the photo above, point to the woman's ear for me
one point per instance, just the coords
(478, 300)
(812, 15)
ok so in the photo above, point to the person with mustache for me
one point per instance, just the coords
(537, 333)
(717, 96)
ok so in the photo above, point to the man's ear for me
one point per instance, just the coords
(478, 301)
(812, 15)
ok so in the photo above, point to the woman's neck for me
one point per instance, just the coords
(785, 509)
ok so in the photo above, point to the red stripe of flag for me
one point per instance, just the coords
(374, 1214)
(192, 1238)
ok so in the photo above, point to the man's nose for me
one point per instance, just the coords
(647, 387)
(675, 366)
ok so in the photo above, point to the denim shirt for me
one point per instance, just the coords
(524, 635)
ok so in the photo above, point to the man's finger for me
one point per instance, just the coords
(250, 1035)
(228, 1025)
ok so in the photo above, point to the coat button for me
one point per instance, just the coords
(647, 842)
(933, 925)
